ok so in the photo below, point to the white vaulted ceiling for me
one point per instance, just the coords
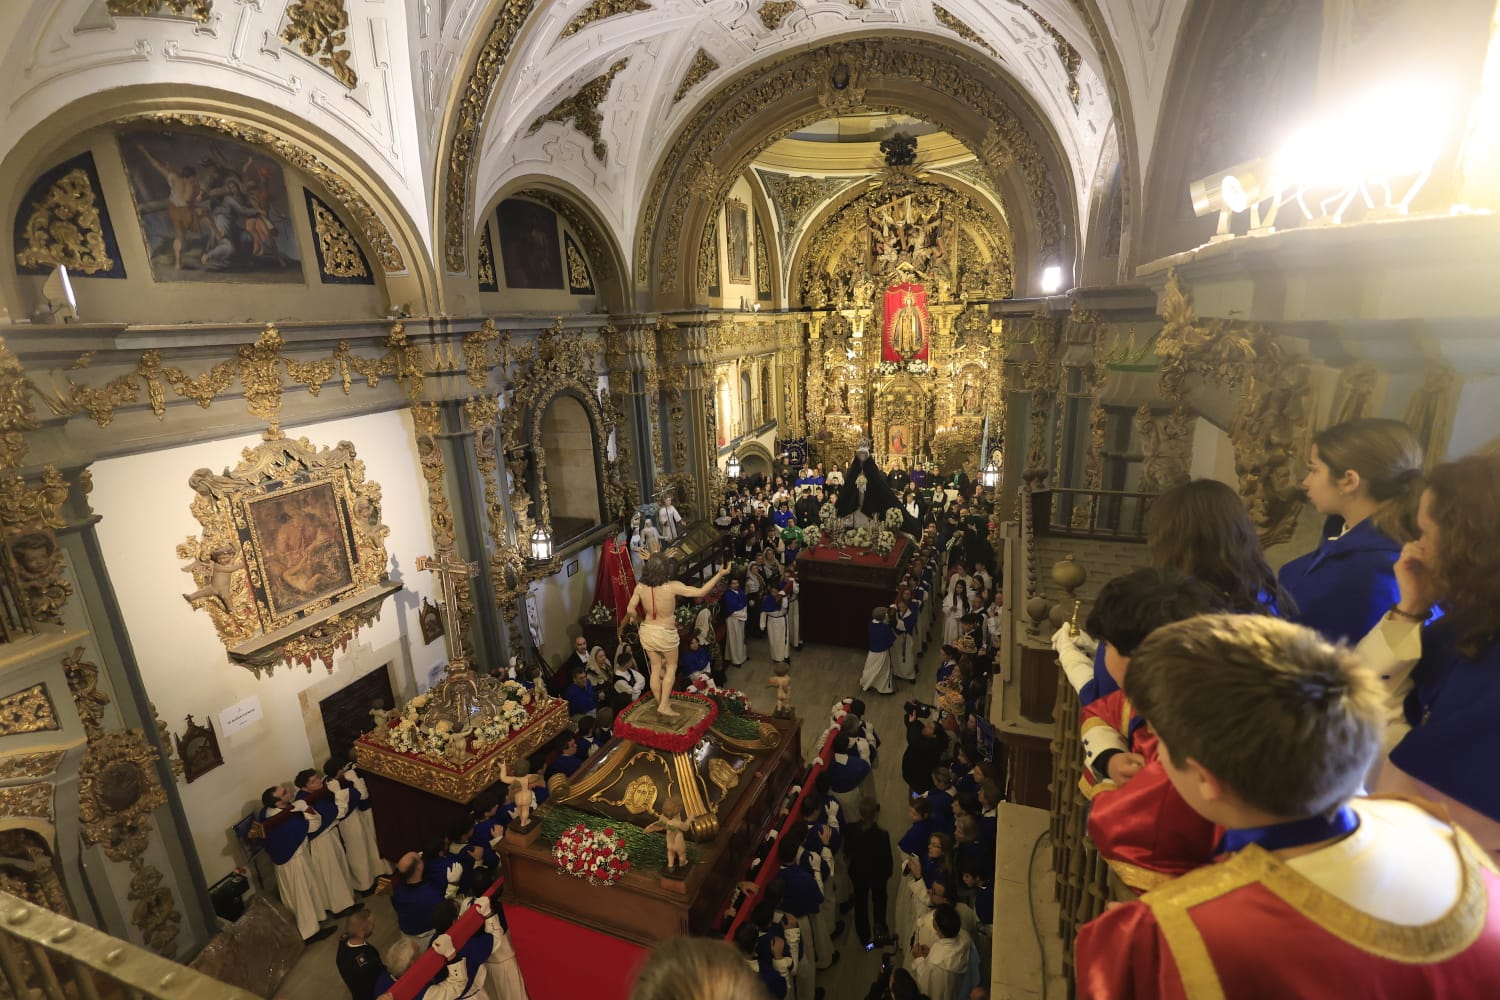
(413, 59)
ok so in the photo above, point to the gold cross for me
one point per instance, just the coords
(449, 569)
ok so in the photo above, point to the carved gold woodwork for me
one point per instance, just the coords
(319, 29)
(1272, 424)
(427, 425)
(27, 711)
(31, 873)
(838, 258)
(486, 262)
(256, 367)
(506, 565)
(578, 268)
(698, 70)
(598, 10)
(32, 801)
(266, 592)
(962, 30)
(17, 415)
(773, 12)
(29, 518)
(198, 10)
(583, 110)
(1430, 411)
(1066, 53)
(762, 263)
(1355, 395)
(118, 790)
(1040, 376)
(720, 121)
(377, 235)
(469, 118)
(65, 228)
(337, 248)
(30, 765)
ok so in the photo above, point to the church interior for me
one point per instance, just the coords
(540, 265)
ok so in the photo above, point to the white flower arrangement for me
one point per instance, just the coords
(893, 518)
(918, 367)
(410, 735)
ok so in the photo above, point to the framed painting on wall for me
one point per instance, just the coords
(530, 248)
(301, 536)
(737, 239)
(210, 209)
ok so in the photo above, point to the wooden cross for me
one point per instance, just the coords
(449, 569)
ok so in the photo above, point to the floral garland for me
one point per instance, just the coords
(671, 742)
(596, 855)
(409, 735)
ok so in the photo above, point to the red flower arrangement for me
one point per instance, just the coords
(596, 855)
(655, 738)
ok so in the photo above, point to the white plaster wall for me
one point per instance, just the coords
(143, 502)
(561, 601)
(1213, 454)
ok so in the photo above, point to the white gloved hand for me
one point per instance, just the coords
(482, 904)
(299, 806)
(443, 945)
(1083, 642)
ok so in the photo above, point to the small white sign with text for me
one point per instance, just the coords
(239, 715)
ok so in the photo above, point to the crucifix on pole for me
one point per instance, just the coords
(449, 569)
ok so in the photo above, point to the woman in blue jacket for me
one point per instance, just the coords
(1364, 476)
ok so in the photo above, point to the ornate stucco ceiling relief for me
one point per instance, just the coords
(961, 29)
(319, 29)
(598, 10)
(773, 12)
(468, 121)
(932, 79)
(582, 109)
(198, 10)
(698, 70)
(796, 198)
(1065, 51)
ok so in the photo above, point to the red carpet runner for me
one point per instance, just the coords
(561, 961)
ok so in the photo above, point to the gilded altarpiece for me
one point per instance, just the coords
(900, 358)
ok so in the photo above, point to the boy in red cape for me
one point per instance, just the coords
(1139, 823)
(1316, 893)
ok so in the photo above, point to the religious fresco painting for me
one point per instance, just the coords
(301, 539)
(530, 249)
(210, 209)
(63, 220)
(907, 332)
(737, 238)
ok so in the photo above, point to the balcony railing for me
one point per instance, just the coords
(44, 954)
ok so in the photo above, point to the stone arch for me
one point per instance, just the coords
(1240, 72)
(915, 75)
(570, 467)
(605, 255)
(390, 239)
(756, 458)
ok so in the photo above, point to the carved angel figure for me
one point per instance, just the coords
(221, 565)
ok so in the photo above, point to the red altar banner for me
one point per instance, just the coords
(616, 580)
(907, 333)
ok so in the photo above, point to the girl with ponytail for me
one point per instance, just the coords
(1365, 476)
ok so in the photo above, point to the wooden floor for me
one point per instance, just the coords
(821, 675)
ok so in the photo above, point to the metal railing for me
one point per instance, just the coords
(44, 954)
(1113, 515)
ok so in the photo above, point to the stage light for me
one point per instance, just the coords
(541, 544)
(1052, 279)
(1232, 191)
(732, 466)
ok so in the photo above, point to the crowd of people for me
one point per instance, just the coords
(1284, 766)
